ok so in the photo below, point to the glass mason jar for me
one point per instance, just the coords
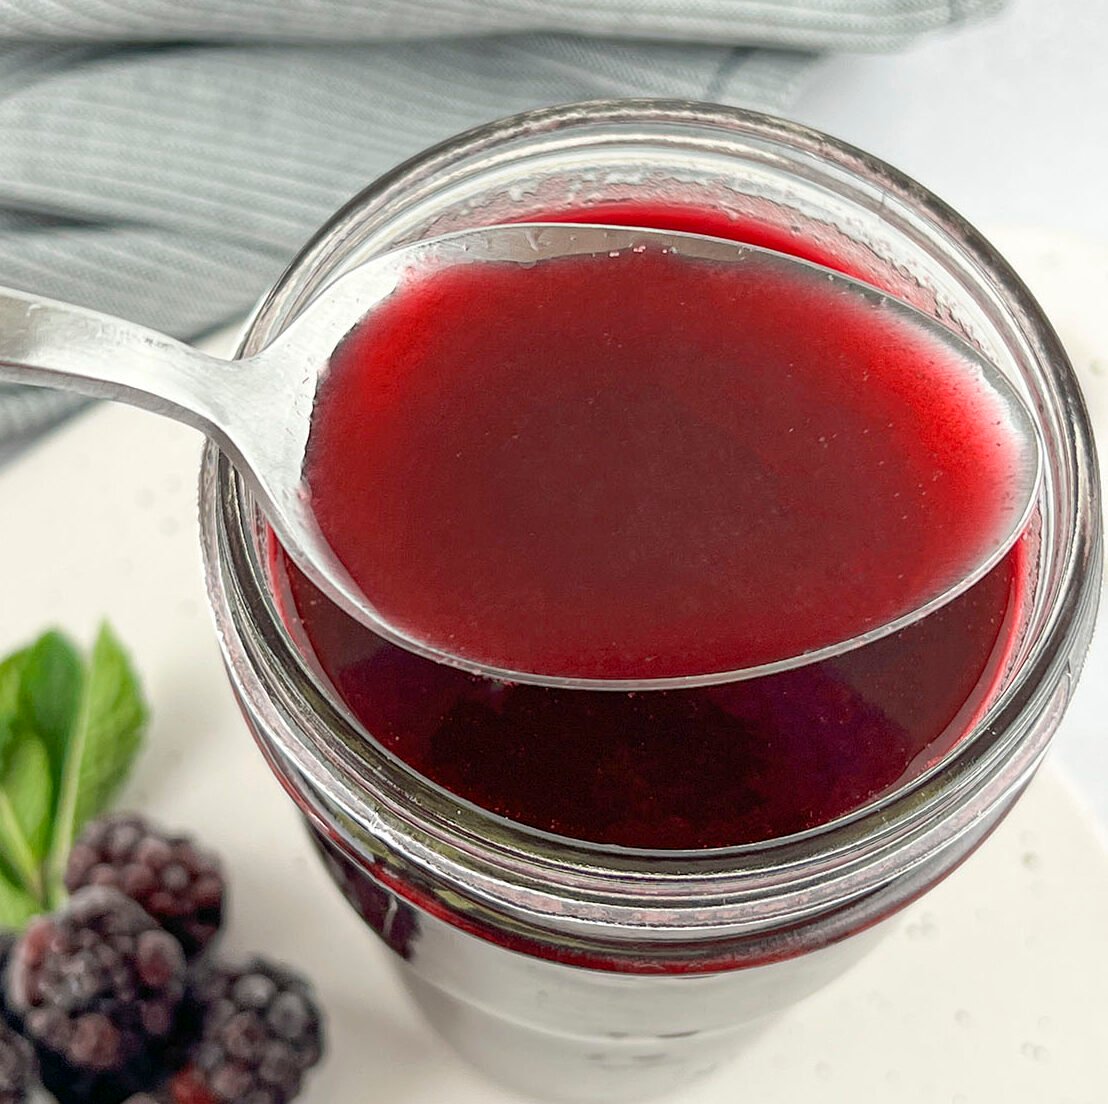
(590, 972)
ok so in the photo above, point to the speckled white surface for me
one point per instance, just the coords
(991, 990)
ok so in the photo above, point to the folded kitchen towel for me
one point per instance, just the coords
(163, 161)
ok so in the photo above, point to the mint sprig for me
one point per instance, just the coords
(69, 732)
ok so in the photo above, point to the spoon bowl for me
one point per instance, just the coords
(259, 410)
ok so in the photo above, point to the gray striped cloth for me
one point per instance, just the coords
(162, 160)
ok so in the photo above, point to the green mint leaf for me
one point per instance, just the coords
(8, 870)
(116, 719)
(11, 674)
(11, 678)
(8, 729)
(105, 738)
(26, 784)
(26, 799)
(50, 696)
(16, 906)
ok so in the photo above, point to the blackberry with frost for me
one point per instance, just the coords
(179, 884)
(261, 1032)
(97, 988)
(18, 1068)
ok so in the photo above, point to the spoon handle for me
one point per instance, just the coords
(49, 344)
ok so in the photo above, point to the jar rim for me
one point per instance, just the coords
(521, 867)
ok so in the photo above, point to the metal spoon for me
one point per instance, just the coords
(259, 409)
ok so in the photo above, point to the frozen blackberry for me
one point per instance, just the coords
(97, 988)
(176, 882)
(261, 1032)
(18, 1069)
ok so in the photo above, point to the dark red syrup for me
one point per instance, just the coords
(637, 467)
